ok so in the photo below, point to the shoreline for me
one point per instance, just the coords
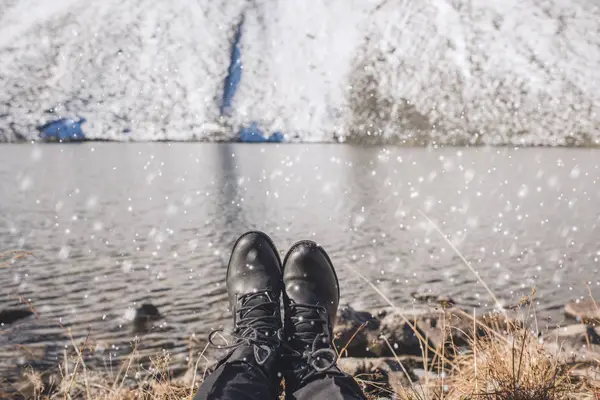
(390, 354)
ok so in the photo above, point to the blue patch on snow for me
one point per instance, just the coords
(276, 137)
(253, 134)
(234, 73)
(64, 129)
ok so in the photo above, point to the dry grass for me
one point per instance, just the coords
(512, 365)
(75, 380)
(515, 367)
(520, 369)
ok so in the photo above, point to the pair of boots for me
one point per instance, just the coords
(265, 349)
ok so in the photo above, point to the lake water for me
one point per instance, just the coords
(113, 226)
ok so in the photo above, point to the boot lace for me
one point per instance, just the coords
(313, 334)
(263, 332)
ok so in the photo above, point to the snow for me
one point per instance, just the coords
(443, 71)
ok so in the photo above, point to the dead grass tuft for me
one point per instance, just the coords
(517, 369)
(134, 380)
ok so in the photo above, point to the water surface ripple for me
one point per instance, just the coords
(113, 226)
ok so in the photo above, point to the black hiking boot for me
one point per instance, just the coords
(311, 297)
(254, 285)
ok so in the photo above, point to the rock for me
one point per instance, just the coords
(574, 344)
(454, 329)
(584, 311)
(380, 376)
(147, 311)
(351, 365)
(437, 328)
(355, 331)
(400, 334)
(433, 299)
(589, 373)
(144, 316)
(440, 329)
(349, 315)
(11, 316)
(359, 334)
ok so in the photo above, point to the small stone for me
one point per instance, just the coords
(578, 343)
(584, 311)
(10, 316)
(144, 316)
(433, 299)
(386, 372)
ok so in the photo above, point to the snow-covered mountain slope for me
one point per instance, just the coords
(449, 71)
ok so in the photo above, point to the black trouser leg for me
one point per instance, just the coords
(330, 385)
(239, 377)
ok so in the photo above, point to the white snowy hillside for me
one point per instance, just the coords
(405, 71)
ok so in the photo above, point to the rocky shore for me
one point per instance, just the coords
(394, 355)
(394, 352)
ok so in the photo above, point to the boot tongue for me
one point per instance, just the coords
(306, 321)
(312, 340)
(262, 305)
(307, 326)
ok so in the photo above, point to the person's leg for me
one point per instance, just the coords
(311, 296)
(251, 371)
(240, 378)
(331, 385)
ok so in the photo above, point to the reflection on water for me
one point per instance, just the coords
(114, 226)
